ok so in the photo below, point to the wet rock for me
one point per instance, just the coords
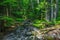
(32, 33)
(21, 34)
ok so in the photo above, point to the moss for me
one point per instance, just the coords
(48, 38)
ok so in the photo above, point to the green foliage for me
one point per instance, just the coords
(8, 21)
(6, 18)
(9, 3)
(48, 38)
(19, 10)
(39, 24)
(58, 22)
(24, 4)
(42, 5)
(19, 19)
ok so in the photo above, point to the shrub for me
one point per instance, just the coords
(39, 24)
(8, 21)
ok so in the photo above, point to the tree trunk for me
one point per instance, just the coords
(37, 1)
(32, 5)
(7, 13)
(55, 12)
(51, 10)
(47, 13)
(10, 11)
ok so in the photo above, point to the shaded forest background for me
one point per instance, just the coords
(41, 13)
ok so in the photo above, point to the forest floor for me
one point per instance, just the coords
(56, 27)
(53, 31)
(50, 31)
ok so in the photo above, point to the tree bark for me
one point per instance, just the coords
(7, 13)
(51, 10)
(37, 1)
(56, 8)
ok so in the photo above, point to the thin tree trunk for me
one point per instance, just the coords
(55, 12)
(46, 13)
(32, 5)
(51, 10)
(10, 11)
(37, 1)
(7, 13)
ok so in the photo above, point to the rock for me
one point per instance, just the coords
(32, 33)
